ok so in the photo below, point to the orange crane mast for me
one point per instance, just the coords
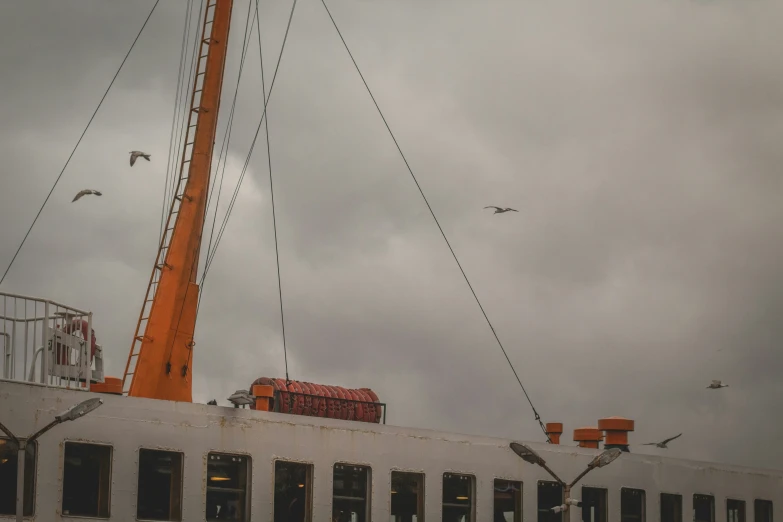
(161, 356)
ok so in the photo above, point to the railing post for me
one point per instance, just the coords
(12, 343)
(47, 346)
(85, 360)
(6, 355)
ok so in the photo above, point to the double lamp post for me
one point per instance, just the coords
(529, 455)
(76, 412)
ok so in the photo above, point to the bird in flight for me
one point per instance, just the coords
(717, 384)
(135, 154)
(499, 210)
(86, 192)
(663, 443)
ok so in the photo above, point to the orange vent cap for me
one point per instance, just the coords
(588, 437)
(553, 431)
(616, 429)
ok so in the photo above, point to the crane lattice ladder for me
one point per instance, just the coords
(176, 202)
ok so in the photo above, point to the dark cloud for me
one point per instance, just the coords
(638, 141)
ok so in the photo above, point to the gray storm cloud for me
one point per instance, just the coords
(640, 142)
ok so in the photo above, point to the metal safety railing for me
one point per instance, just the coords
(49, 343)
(310, 405)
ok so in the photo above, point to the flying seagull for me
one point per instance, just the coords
(717, 384)
(85, 192)
(135, 154)
(499, 210)
(663, 443)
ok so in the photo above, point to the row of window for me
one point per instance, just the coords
(87, 480)
(633, 507)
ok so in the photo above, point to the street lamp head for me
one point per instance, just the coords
(526, 453)
(605, 458)
(80, 410)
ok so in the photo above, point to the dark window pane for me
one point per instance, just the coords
(550, 494)
(293, 490)
(228, 478)
(703, 508)
(350, 493)
(735, 510)
(594, 505)
(9, 460)
(458, 497)
(671, 507)
(87, 480)
(762, 510)
(508, 501)
(631, 505)
(407, 497)
(160, 485)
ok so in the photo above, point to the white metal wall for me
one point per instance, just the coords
(128, 424)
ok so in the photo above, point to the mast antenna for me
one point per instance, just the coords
(161, 354)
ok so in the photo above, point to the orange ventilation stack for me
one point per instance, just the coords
(588, 437)
(616, 429)
(553, 431)
(317, 400)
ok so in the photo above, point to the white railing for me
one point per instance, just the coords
(46, 342)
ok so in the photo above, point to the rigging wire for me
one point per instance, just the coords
(187, 88)
(175, 115)
(172, 177)
(272, 193)
(454, 255)
(247, 161)
(250, 153)
(79, 141)
(229, 127)
(194, 264)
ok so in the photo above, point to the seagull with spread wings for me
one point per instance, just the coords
(499, 210)
(662, 444)
(86, 192)
(135, 154)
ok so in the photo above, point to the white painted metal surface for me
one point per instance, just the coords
(128, 424)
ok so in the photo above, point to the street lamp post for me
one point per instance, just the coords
(529, 455)
(73, 413)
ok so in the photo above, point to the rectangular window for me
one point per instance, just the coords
(508, 501)
(671, 507)
(407, 497)
(595, 505)
(458, 503)
(631, 505)
(762, 510)
(550, 494)
(293, 491)
(703, 508)
(87, 480)
(160, 485)
(228, 484)
(9, 460)
(350, 493)
(735, 510)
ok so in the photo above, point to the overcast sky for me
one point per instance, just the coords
(640, 141)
